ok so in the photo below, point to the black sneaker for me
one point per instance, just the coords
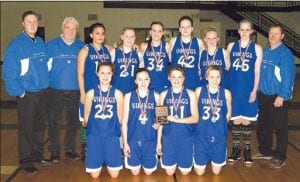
(72, 155)
(44, 161)
(235, 154)
(83, 152)
(247, 156)
(30, 169)
(55, 157)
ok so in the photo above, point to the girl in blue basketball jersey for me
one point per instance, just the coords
(88, 59)
(185, 50)
(243, 78)
(214, 104)
(138, 125)
(103, 109)
(213, 55)
(175, 140)
(126, 60)
(155, 56)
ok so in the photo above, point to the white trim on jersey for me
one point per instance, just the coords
(115, 168)
(129, 166)
(89, 170)
(166, 167)
(245, 117)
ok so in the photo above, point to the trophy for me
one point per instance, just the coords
(161, 114)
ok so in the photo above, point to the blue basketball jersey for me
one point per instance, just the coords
(212, 125)
(207, 60)
(241, 74)
(103, 119)
(157, 63)
(125, 67)
(188, 59)
(139, 130)
(178, 129)
(90, 68)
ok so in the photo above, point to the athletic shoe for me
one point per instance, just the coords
(235, 154)
(72, 155)
(277, 164)
(247, 156)
(44, 161)
(30, 169)
(55, 157)
(261, 156)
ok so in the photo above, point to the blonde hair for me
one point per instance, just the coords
(210, 29)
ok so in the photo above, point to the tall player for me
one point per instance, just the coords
(214, 104)
(243, 78)
(175, 140)
(88, 59)
(139, 133)
(213, 55)
(126, 60)
(155, 56)
(103, 108)
(185, 50)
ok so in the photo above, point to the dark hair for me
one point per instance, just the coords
(277, 25)
(92, 27)
(178, 68)
(213, 67)
(26, 13)
(110, 64)
(185, 18)
(139, 70)
(150, 39)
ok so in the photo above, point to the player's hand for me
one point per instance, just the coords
(126, 150)
(82, 97)
(252, 97)
(158, 149)
(172, 119)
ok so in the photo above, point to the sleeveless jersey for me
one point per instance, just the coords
(158, 68)
(178, 129)
(90, 68)
(137, 129)
(104, 123)
(125, 69)
(190, 63)
(207, 60)
(241, 74)
(209, 124)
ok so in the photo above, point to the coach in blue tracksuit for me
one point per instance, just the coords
(275, 90)
(64, 91)
(26, 76)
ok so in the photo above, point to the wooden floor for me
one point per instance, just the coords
(74, 171)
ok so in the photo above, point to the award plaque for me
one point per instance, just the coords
(161, 114)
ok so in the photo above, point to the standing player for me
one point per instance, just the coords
(139, 134)
(175, 140)
(126, 60)
(156, 57)
(214, 104)
(243, 78)
(102, 115)
(88, 59)
(213, 55)
(185, 50)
